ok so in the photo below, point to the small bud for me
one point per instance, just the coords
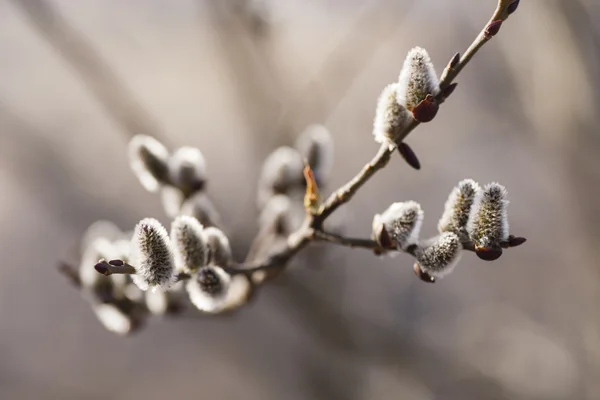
(148, 159)
(151, 255)
(409, 155)
(439, 255)
(315, 145)
(187, 169)
(449, 90)
(492, 29)
(458, 208)
(513, 7)
(220, 250)
(424, 276)
(281, 172)
(417, 79)
(391, 118)
(488, 220)
(311, 196)
(402, 221)
(202, 208)
(113, 319)
(100, 249)
(454, 61)
(190, 248)
(426, 110)
(514, 241)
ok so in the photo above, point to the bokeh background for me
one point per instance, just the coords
(239, 78)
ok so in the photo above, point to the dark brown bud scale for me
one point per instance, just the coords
(426, 110)
(384, 239)
(488, 253)
(101, 268)
(492, 29)
(513, 7)
(424, 276)
(409, 155)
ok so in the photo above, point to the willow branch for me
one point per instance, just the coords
(346, 192)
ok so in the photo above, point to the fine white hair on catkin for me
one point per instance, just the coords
(458, 208)
(148, 159)
(189, 244)
(152, 255)
(402, 221)
(488, 221)
(439, 255)
(391, 117)
(417, 79)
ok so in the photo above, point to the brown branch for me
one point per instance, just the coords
(312, 230)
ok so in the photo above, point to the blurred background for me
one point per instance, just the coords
(237, 78)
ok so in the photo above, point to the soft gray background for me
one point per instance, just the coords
(237, 79)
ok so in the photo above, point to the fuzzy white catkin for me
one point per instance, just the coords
(220, 250)
(152, 255)
(402, 221)
(202, 208)
(212, 290)
(417, 79)
(391, 117)
(189, 244)
(100, 229)
(149, 159)
(439, 255)
(157, 301)
(208, 288)
(315, 144)
(281, 172)
(488, 221)
(172, 200)
(113, 319)
(187, 169)
(458, 208)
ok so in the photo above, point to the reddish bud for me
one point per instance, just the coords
(488, 253)
(449, 90)
(492, 29)
(513, 7)
(424, 276)
(426, 110)
(116, 263)
(409, 155)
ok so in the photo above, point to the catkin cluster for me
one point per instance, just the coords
(473, 218)
(199, 252)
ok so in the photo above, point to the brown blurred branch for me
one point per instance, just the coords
(96, 74)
